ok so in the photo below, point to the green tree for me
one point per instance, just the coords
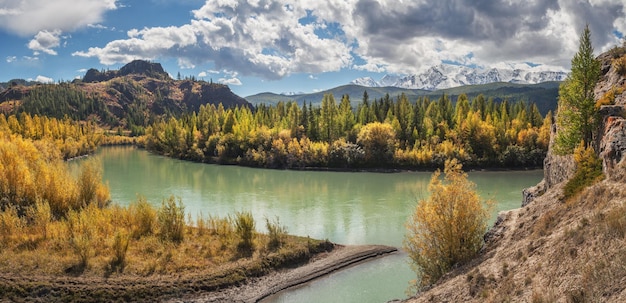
(447, 228)
(577, 116)
(329, 123)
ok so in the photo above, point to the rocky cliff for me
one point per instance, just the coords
(555, 249)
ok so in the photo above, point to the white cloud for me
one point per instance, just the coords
(312, 77)
(273, 39)
(97, 26)
(11, 59)
(202, 74)
(42, 79)
(28, 17)
(264, 39)
(45, 41)
(230, 81)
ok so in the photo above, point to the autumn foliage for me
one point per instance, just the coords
(447, 228)
(387, 133)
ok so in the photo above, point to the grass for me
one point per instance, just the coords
(118, 244)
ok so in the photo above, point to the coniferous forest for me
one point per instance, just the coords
(385, 133)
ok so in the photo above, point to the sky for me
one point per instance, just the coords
(293, 46)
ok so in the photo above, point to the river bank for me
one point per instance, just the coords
(241, 281)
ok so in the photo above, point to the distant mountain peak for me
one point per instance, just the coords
(444, 76)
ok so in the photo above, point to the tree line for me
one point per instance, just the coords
(382, 133)
(71, 138)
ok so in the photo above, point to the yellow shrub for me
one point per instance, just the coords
(619, 65)
(447, 228)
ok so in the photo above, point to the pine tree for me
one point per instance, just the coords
(577, 116)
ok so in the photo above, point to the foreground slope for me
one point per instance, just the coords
(555, 249)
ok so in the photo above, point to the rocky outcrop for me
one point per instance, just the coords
(556, 169)
(610, 138)
(136, 67)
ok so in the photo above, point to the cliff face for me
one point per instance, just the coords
(554, 249)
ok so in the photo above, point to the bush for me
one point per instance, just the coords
(91, 189)
(619, 65)
(80, 233)
(40, 216)
(120, 247)
(171, 220)
(447, 228)
(144, 218)
(588, 170)
(276, 233)
(244, 229)
(10, 224)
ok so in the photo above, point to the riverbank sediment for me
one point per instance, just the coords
(259, 288)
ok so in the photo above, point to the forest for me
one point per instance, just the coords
(387, 133)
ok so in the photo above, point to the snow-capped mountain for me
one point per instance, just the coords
(366, 81)
(446, 76)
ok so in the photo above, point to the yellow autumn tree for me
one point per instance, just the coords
(447, 228)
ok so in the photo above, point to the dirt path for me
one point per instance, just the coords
(262, 287)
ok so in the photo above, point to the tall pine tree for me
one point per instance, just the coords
(577, 116)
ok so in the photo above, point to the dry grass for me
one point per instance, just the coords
(103, 243)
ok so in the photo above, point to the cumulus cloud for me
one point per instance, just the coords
(45, 41)
(42, 79)
(262, 38)
(273, 39)
(11, 59)
(229, 81)
(28, 17)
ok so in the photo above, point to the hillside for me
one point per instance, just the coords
(555, 249)
(131, 96)
(543, 94)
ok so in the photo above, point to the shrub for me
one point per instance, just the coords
(91, 189)
(171, 220)
(619, 65)
(588, 170)
(223, 229)
(609, 97)
(244, 229)
(80, 234)
(10, 224)
(447, 228)
(144, 218)
(276, 233)
(40, 217)
(120, 247)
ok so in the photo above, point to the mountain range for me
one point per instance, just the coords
(543, 94)
(447, 76)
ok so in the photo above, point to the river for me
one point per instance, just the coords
(344, 207)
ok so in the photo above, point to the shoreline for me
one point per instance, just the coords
(238, 282)
(382, 170)
(258, 289)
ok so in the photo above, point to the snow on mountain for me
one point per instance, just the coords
(446, 76)
(365, 81)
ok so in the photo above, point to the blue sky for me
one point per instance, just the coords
(295, 46)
